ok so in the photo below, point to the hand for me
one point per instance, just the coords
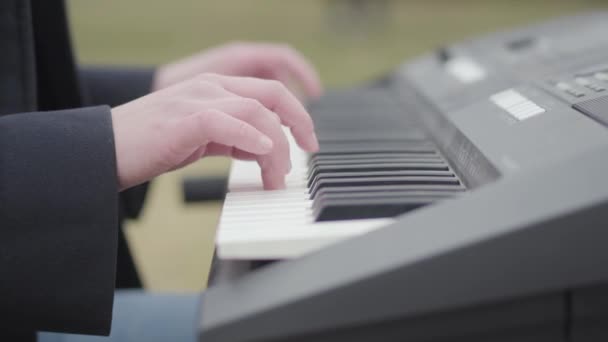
(260, 60)
(210, 115)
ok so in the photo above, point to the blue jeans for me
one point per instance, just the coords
(141, 316)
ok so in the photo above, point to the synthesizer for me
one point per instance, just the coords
(462, 197)
(369, 169)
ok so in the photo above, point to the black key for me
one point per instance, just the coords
(383, 147)
(322, 196)
(375, 160)
(326, 135)
(323, 199)
(322, 169)
(374, 181)
(414, 188)
(335, 135)
(355, 159)
(425, 154)
(377, 174)
(362, 209)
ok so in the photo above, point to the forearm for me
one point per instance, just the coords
(58, 220)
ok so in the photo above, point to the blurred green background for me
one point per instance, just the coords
(348, 41)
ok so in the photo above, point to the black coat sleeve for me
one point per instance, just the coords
(58, 220)
(114, 86)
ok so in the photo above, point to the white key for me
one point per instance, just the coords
(258, 224)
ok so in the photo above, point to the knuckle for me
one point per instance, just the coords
(278, 94)
(252, 106)
(277, 88)
(207, 88)
(276, 85)
(203, 118)
(275, 117)
(269, 119)
(242, 130)
(200, 122)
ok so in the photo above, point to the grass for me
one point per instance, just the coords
(173, 242)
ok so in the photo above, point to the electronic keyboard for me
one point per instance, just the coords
(357, 182)
(462, 197)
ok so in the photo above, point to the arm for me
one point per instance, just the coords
(58, 219)
(60, 171)
(114, 86)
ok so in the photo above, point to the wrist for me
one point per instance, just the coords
(118, 146)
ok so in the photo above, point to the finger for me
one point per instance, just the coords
(199, 89)
(242, 155)
(286, 78)
(267, 122)
(299, 67)
(273, 180)
(215, 126)
(214, 149)
(275, 96)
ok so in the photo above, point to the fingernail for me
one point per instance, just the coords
(265, 143)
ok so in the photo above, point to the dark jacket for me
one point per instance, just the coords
(59, 206)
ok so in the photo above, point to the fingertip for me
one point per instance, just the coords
(314, 144)
(307, 140)
(273, 181)
(303, 70)
(314, 89)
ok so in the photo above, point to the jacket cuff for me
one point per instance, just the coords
(132, 200)
(59, 219)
